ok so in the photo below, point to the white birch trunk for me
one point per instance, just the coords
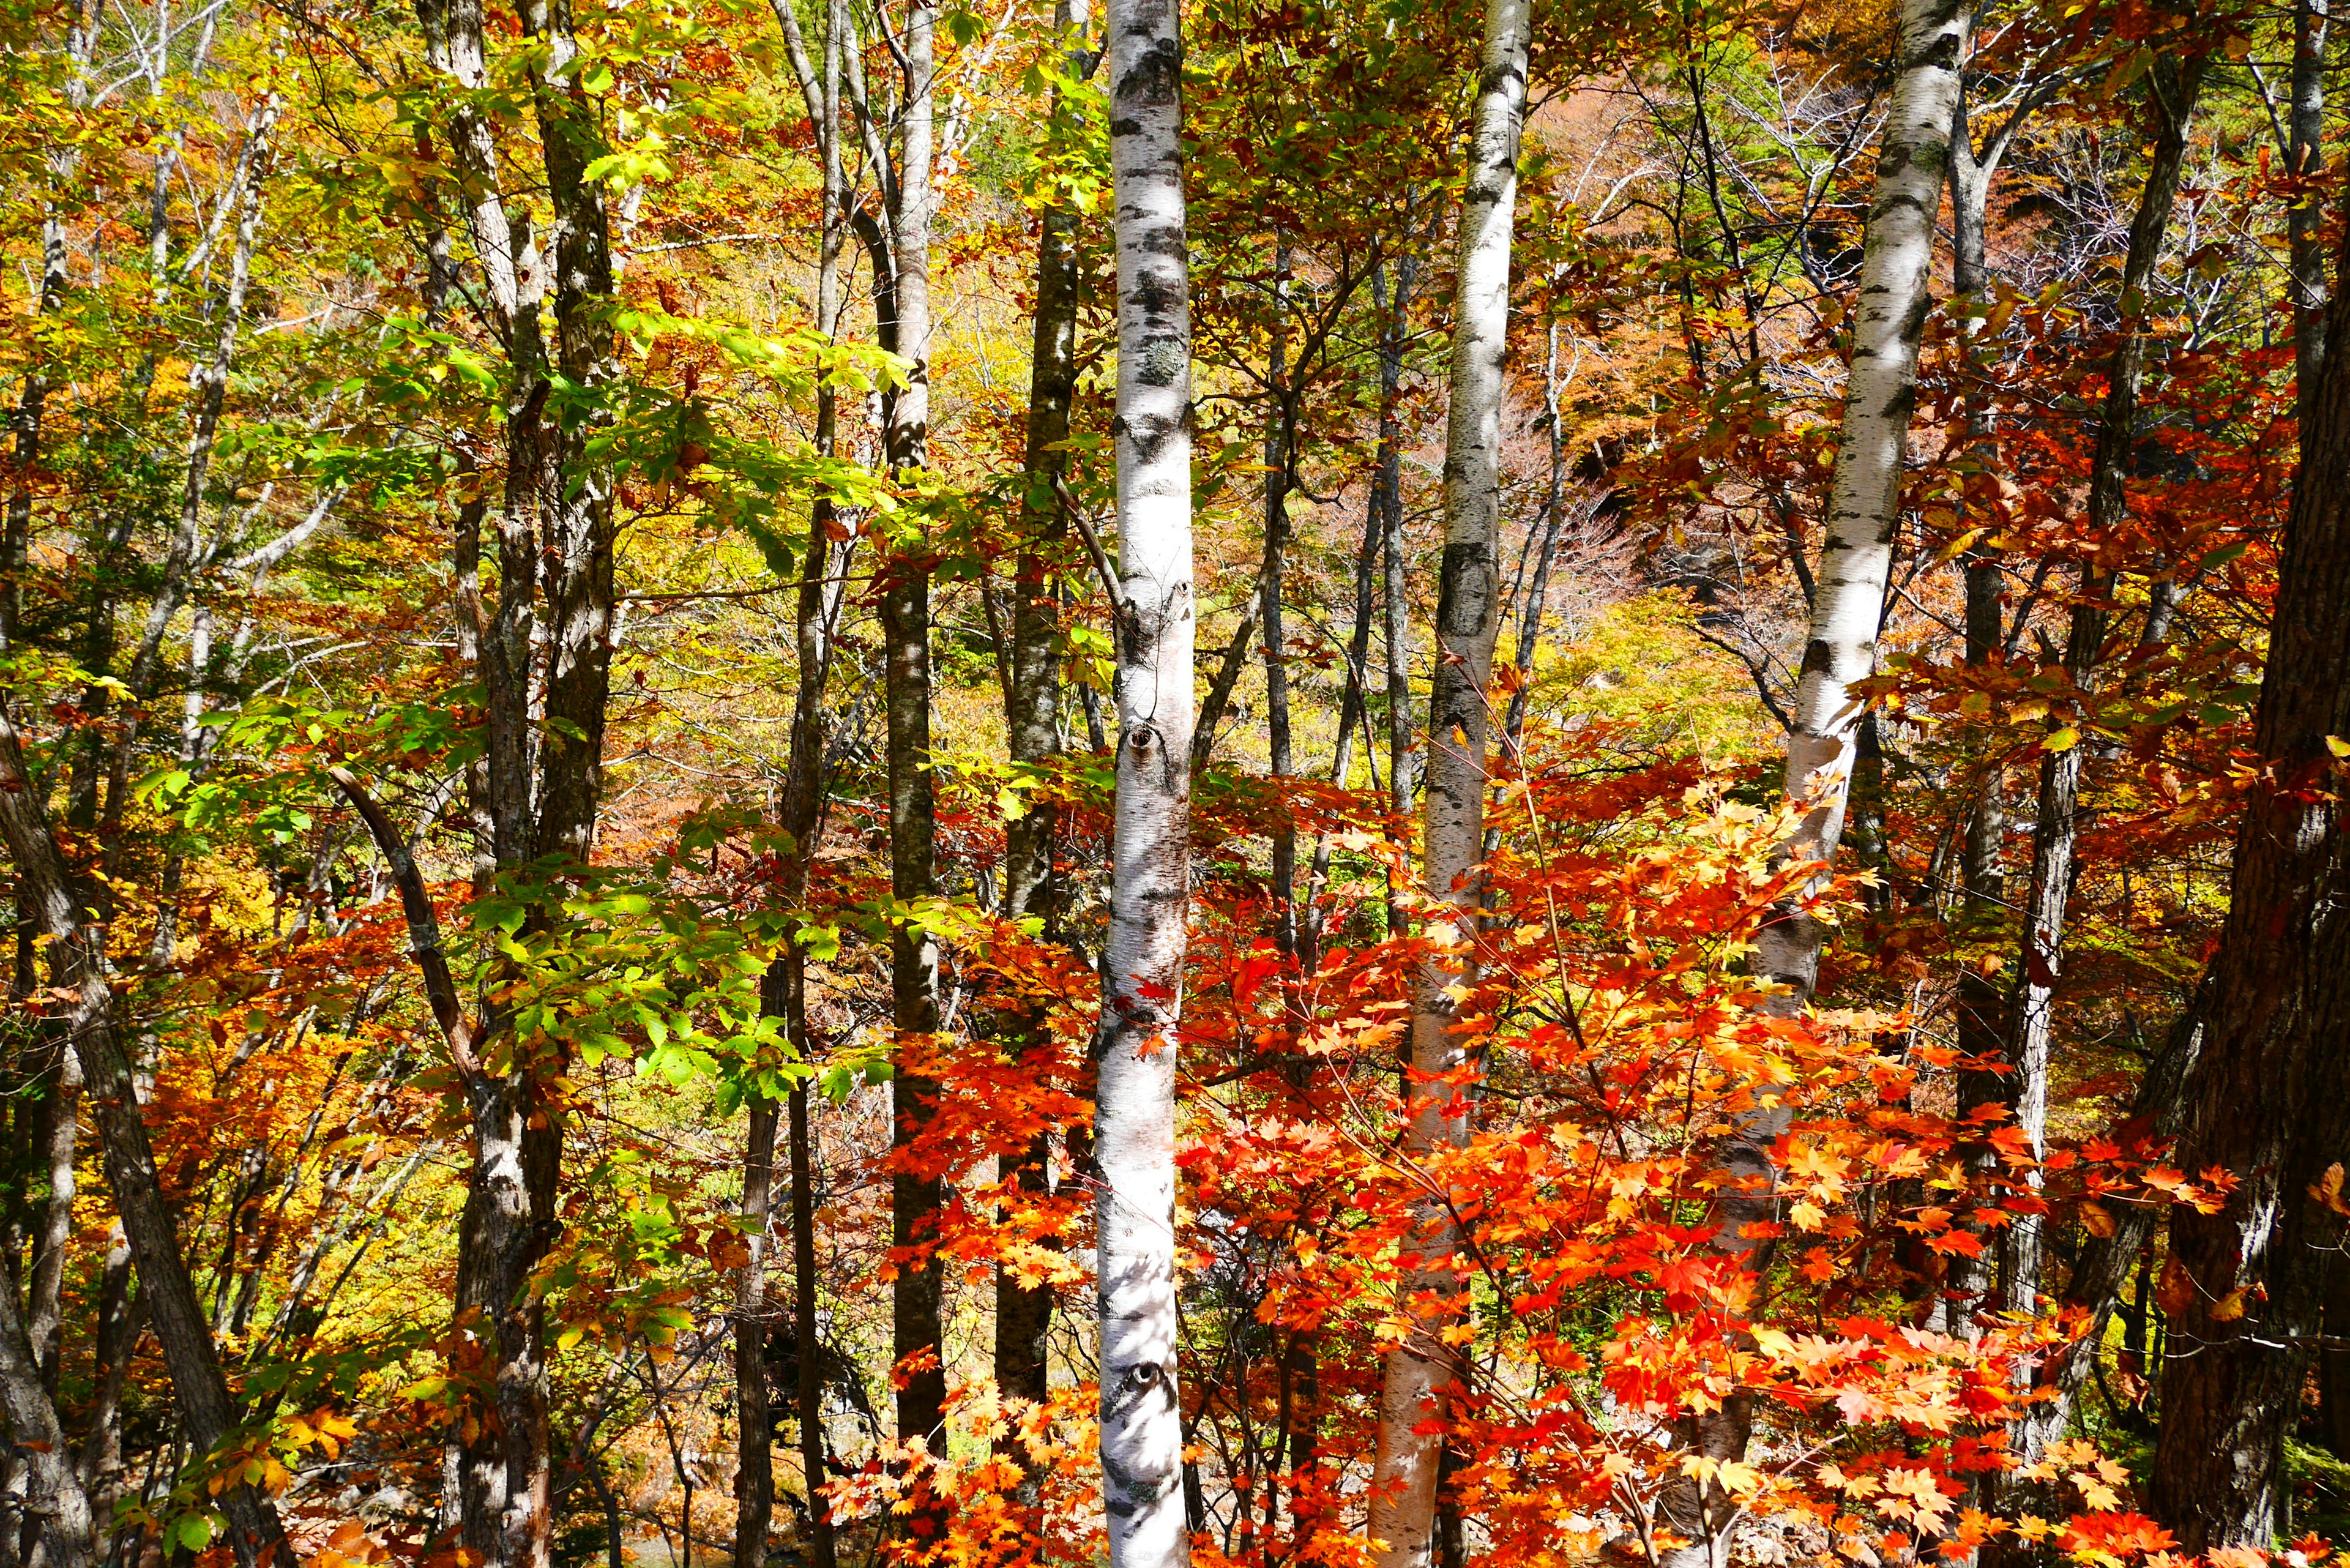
(1847, 605)
(1142, 971)
(1419, 1372)
(1848, 599)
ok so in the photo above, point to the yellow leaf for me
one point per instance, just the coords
(2229, 1307)
(2063, 739)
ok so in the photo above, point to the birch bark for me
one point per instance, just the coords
(1864, 504)
(1142, 965)
(1419, 1372)
(1847, 602)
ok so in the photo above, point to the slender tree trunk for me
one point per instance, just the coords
(198, 1389)
(57, 1524)
(1419, 1372)
(1227, 676)
(497, 1228)
(2057, 821)
(1981, 1005)
(1847, 602)
(810, 1342)
(1387, 499)
(785, 990)
(1280, 437)
(1024, 1314)
(2270, 1098)
(16, 522)
(1537, 586)
(1143, 963)
(99, 1457)
(2305, 220)
(914, 1198)
(754, 1471)
(1354, 710)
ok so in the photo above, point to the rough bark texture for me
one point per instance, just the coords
(1142, 964)
(1982, 1003)
(541, 779)
(754, 1472)
(2270, 1098)
(1418, 1372)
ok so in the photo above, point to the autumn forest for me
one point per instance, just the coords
(987, 784)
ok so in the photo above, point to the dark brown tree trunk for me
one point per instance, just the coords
(1387, 499)
(2270, 1098)
(785, 993)
(198, 1389)
(2057, 822)
(1024, 1314)
(754, 1471)
(1280, 440)
(916, 1325)
(2306, 158)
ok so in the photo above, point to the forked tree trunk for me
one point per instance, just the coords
(1847, 602)
(2270, 1098)
(1419, 1372)
(1142, 963)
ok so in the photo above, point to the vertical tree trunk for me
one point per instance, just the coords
(1280, 437)
(754, 1470)
(1864, 504)
(1143, 963)
(1552, 521)
(1024, 1314)
(913, 822)
(1848, 600)
(2270, 1098)
(1982, 1011)
(496, 1224)
(16, 522)
(198, 1389)
(785, 992)
(1387, 499)
(1419, 1373)
(2306, 255)
(2057, 822)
